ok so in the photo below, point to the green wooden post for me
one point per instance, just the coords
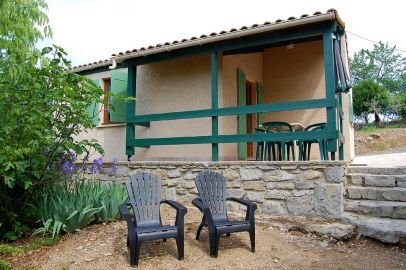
(341, 145)
(241, 118)
(214, 104)
(131, 92)
(330, 89)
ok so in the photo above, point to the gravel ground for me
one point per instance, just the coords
(103, 247)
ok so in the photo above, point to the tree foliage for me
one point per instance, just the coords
(42, 110)
(379, 70)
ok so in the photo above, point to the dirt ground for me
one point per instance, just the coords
(384, 140)
(104, 247)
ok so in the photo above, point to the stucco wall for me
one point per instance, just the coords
(252, 65)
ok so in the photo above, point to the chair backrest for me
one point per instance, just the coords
(212, 191)
(277, 126)
(144, 194)
(314, 127)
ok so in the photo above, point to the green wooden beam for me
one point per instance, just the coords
(214, 104)
(131, 92)
(269, 107)
(256, 137)
(330, 87)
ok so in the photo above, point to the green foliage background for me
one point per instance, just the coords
(42, 110)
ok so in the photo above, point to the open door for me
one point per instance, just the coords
(242, 118)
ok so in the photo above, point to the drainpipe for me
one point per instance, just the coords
(114, 63)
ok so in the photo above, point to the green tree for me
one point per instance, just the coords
(369, 98)
(42, 108)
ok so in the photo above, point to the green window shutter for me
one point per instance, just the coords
(260, 100)
(242, 118)
(94, 108)
(118, 87)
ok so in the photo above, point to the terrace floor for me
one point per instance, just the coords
(103, 247)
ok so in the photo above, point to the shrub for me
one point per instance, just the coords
(72, 207)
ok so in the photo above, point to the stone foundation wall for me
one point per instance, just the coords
(311, 189)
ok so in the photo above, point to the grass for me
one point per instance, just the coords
(39, 242)
(4, 265)
(8, 250)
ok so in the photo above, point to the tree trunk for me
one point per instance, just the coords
(377, 119)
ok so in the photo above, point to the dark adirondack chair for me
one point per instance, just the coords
(212, 203)
(144, 198)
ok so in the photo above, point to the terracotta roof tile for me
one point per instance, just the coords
(202, 37)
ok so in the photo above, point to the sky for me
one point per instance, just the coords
(92, 30)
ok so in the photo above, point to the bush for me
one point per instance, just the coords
(69, 208)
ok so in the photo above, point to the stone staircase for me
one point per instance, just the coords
(376, 202)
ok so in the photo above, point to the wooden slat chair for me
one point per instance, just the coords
(212, 203)
(144, 224)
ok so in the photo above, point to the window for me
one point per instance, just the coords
(106, 101)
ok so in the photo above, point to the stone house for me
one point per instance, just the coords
(202, 98)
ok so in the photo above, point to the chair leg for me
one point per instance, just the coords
(134, 253)
(199, 230)
(228, 234)
(180, 243)
(252, 239)
(216, 246)
(212, 240)
(164, 240)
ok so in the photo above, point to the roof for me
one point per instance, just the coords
(304, 19)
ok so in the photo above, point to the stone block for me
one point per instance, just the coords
(236, 184)
(380, 181)
(254, 185)
(289, 167)
(329, 200)
(193, 191)
(231, 174)
(189, 175)
(250, 174)
(275, 208)
(237, 193)
(394, 194)
(181, 191)
(255, 196)
(401, 181)
(170, 194)
(334, 174)
(278, 176)
(278, 194)
(173, 173)
(303, 192)
(267, 168)
(284, 185)
(355, 179)
(188, 184)
(300, 206)
(312, 175)
(304, 185)
(161, 173)
(171, 182)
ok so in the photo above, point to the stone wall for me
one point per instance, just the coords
(311, 189)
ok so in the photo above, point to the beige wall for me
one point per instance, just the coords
(184, 84)
(252, 65)
(167, 86)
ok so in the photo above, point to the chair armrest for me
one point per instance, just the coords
(242, 201)
(251, 207)
(200, 205)
(180, 214)
(124, 213)
(180, 208)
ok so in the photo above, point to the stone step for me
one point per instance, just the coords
(384, 229)
(377, 170)
(388, 209)
(377, 193)
(370, 180)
